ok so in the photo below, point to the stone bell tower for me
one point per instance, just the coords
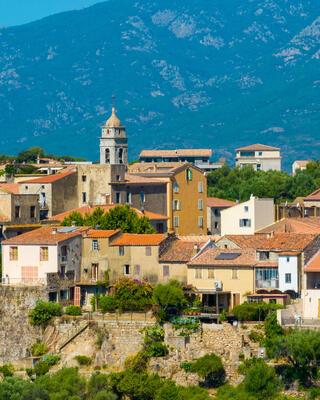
(113, 142)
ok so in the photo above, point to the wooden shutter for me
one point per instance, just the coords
(77, 296)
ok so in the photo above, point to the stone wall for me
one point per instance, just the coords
(16, 333)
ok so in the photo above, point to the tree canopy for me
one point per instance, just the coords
(118, 217)
(239, 183)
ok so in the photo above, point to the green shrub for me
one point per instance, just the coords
(83, 360)
(133, 295)
(253, 311)
(153, 346)
(223, 316)
(156, 349)
(44, 365)
(73, 310)
(7, 370)
(38, 349)
(241, 356)
(137, 363)
(187, 366)
(107, 304)
(168, 295)
(256, 337)
(210, 368)
(43, 312)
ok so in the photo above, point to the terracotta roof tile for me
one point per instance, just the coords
(246, 241)
(258, 147)
(267, 265)
(49, 178)
(176, 153)
(180, 251)
(132, 178)
(209, 257)
(294, 225)
(288, 241)
(302, 163)
(45, 235)
(219, 203)
(159, 168)
(105, 207)
(99, 233)
(134, 239)
(313, 196)
(314, 264)
(10, 187)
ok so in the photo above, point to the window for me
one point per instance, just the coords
(121, 250)
(258, 167)
(216, 225)
(189, 174)
(17, 211)
(13, 253)
(95, 245)
(94, 272)
(198, 273)
(84, 178)
(26, 187)
(120, 153)
(129, 198)
(166, 271)
(245, 222)
(142, 197)
(126, 269)
(260, 153)
(62, 271)
(176, 221)
(234, 274)
(217, 212)
(32, 211)
(44, 254)
(43, 199)
(136, 269)
(200, 187)
(288, 278)
(247, 153)
(200, 204)
(118, 197)
(246, 208)
(63, 294)
(148, 251)
(84, 197)
(176, 187)
(264, 255)
(176, 205)
(288, 259)
(211, 274)
(117, 178)
(64, 255)
(201, 222)
(107, 156)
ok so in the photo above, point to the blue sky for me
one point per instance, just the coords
(17, 12)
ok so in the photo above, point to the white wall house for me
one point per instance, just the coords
(260, 156)
(288, 272)
(248, 217)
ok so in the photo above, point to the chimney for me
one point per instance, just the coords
(54, 231)
(73, 224)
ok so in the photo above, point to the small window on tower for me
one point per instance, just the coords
(107, 156)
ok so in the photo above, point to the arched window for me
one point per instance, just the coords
(107, 156)
(120, 153)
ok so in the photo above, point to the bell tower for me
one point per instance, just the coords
(113, 141)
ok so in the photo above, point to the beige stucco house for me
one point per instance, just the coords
(260, 156)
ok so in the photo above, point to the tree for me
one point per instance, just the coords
(30, 155)
(43, 312)
(170, 294)
(98, 388)
(210, 368)
(228, 392)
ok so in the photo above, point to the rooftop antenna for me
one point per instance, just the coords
(113, 97)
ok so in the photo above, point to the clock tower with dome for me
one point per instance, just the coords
(113, 142)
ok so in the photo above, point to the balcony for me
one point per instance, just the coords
(267, 283)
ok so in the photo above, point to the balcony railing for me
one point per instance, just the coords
(267, 284)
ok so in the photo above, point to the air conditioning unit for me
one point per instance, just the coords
(218, 285)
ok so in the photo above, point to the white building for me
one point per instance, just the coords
(248, 217)
(260, 156)
(299, 164)
(288, 267)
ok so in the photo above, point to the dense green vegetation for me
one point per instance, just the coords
(239, 183)
(254, 311)
(43, 312)
(118, 217)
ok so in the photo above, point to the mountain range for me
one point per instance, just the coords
(185, 73)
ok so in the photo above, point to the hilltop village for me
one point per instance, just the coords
(77, 235)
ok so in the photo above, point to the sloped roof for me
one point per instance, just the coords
(258, 147)
(10, 187)
(314, 264)
(246, 241)
(245, 257)
(302, 163)
(294, 225)
(132, 178)
(288, 241)
(134, 239)
(176, 153)
(314, 196)
(101, 234)
(219, 203)
(181, 251)
(106, 207)
(45, 235)
(49, 178)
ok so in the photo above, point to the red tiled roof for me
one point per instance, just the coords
(246, 241)
(288, 241)
(219, 203)
(132, 178)
(10, 187)
(267, 265)
(209, 257)
(314, 264)
(180, 251)
(294, 225)
(135, 239)
(258, 147)
(49, 178)
(302, 163)
(45, 235)
(99, 233)
(106, 207)
(313, 196)
(176, 153)
(290, 253)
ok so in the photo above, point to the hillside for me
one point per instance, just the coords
(201, 73)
